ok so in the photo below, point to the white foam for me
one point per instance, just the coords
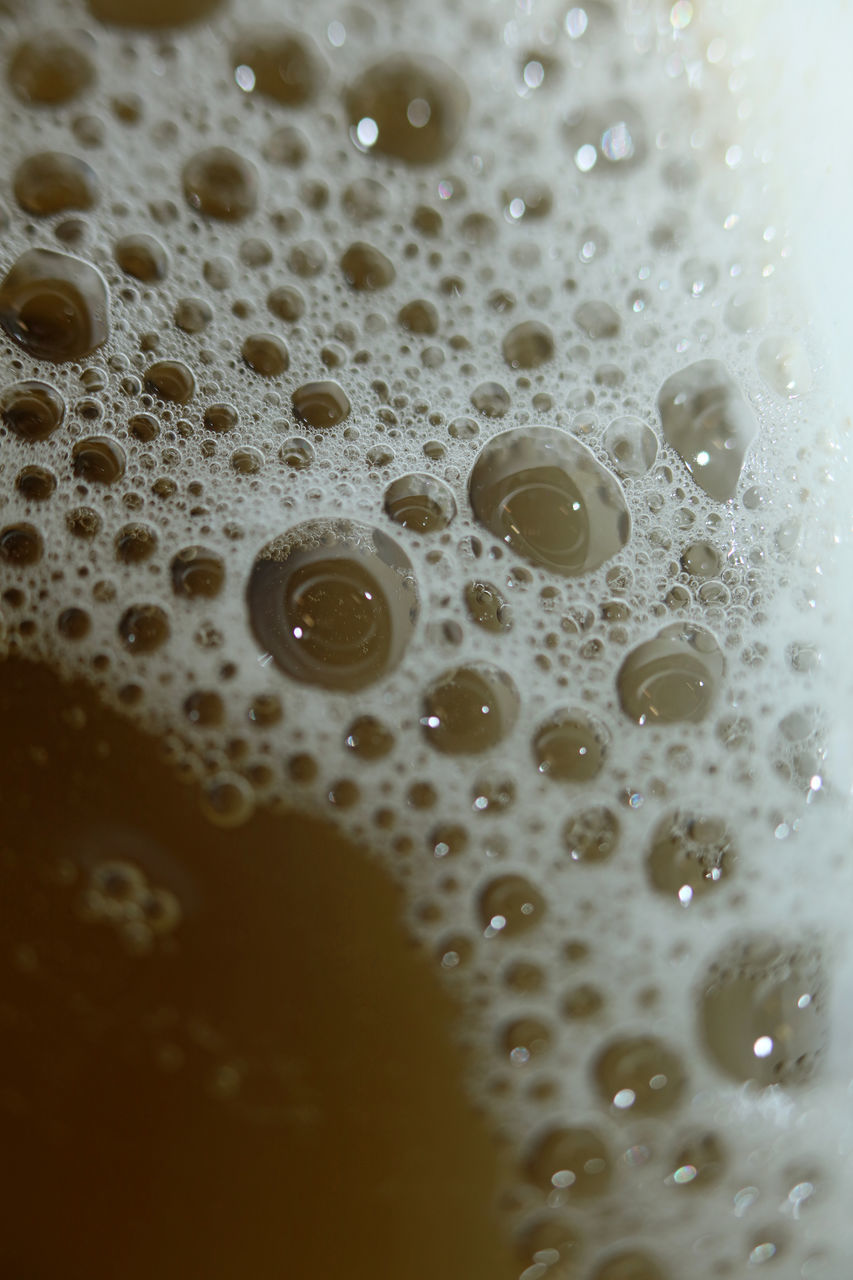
(700, 182)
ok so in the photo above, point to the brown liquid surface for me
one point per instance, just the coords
(264, 1082)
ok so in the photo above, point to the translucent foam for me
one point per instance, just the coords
(430, 396)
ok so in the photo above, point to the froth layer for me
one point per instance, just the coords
(436, 441)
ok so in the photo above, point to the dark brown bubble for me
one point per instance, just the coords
(630, 1264)
(20, 544)
(509, 906)
(192, 314)
(31, 410)
(204, 707)
(491, 399)
(142, 257)
(143, 427)
(762, 1012)
(50, 68)
(494, 794)
(320, 404)
(416, 106)
(170, 380)
(639, 1075)
(573, 1160)
(247, 461)
(265, 354)
(591, 834)
(421, 795)
(334, 603)
(73, 624)
(279, 63)
(420, 502)
(688, 855)
(528, 345)
(488, 607)
(545, 495)
(36, 484)
(366, 268)
(297, 453)
(265, 710)
(221, 184)
(152, 13)
(448, 840)
(197, 573)
(56, 307)
(570, 747)
(286, 303)
(469, 709)
(98, 460)
(83, 522)
(135, 543)
(673, 677)
(302, 768)
(220, 418)
(143, 628)
(51, 182)
(419, 316)
(709, 424)
(368, 738)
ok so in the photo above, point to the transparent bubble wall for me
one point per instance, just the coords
(439, 400)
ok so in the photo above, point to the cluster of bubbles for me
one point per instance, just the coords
(411, 443)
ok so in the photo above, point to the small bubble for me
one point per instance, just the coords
(98, 460)
(572, 1160)
(509, 906)
(265, 354)
(31, 410)
(333, 602)
(411, 108)
(54, 306)
(142, 257)
(170, 380)
(51, 182)
(143, 628)
(320, 404)
(469, 709)
(227, 800)
(420, 502)
(20, 544)
(570, 747)
(640, 1074)
(221, 184)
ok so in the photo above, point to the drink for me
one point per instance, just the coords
(389, 472)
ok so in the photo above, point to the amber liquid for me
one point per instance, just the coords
(273, 1086)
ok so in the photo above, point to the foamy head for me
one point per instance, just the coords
(438, 448)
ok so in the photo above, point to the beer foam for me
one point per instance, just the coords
(412, 417)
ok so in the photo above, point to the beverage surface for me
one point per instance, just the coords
(410, 420)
